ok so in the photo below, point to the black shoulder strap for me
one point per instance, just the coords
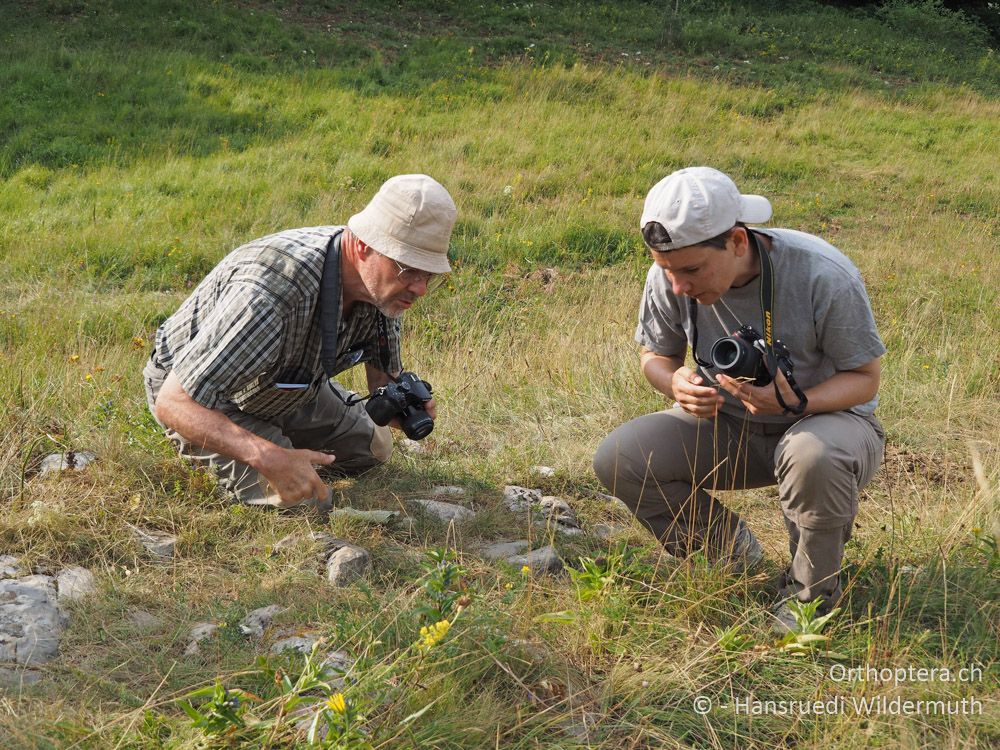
(778, 358)
(329, 300)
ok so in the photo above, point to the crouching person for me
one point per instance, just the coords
(240, 376)
(783, 392)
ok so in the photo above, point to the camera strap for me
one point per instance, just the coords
(776, 354)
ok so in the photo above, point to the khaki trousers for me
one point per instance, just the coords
(325, 424)
(665, 467)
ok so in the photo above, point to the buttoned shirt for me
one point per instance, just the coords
(250, 332)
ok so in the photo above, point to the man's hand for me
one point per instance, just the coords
(694, 397)
(759, 399)
(430, 406)
(292, 477)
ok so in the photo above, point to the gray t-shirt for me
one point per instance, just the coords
(821, 313)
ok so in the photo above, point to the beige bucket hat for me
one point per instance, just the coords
(410, 220)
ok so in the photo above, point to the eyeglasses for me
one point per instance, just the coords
(410, 276)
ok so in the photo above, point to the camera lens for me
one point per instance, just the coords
(726, 354)
(418, 425)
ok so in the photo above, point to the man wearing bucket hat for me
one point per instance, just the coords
(240, 376)
(804, 420)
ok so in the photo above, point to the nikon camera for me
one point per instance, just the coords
(739, 356)
(405, 398)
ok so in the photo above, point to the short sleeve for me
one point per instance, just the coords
(239, 340)
(845, 325)
(660, 328)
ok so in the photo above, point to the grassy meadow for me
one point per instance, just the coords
(143, 141)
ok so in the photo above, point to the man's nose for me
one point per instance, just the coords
(679, 287)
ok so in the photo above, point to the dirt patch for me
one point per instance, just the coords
(933, 468)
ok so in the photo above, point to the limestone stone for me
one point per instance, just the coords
(10, 567)
(540, 561)
(74, 583)
(200, 632)
(543, 471)
(31, 620)
(440, 490)
(71, 460)
(446, 512)
(519, 499)
(348, 563)
(159, 544)
(254, 624)
(503, 550)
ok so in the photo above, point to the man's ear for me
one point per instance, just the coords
(740, 240)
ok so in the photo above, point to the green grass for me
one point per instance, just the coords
(139, 142)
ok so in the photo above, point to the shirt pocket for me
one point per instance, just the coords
(269, 396)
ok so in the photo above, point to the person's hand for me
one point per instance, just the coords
(293, 478)
(692, 395)
(430, 406)
(759, 399)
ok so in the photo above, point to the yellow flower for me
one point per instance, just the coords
(525, 570)
(508, 585)
(337, 703)
(74, 358)
(431, 635)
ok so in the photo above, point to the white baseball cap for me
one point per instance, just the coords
(410, 220)
(698, 203)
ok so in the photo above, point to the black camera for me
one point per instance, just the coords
(404, 398)
(739, 356)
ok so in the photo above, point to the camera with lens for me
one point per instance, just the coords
(740, 356)
(405, 398)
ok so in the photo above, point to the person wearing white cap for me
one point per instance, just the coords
(783, 391)
(241, 375)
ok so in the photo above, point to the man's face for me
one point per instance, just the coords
(389, 290)
(700, 271)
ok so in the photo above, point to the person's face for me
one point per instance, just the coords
(392, 287)
(703, 272)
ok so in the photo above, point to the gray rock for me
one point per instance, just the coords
(71, 460)
(519, 499)
(558, 516)
(10, 567)
(348, 563)
(327, 543)
(543, 471)
(503, 550)
(447, 490)
(544, 560)
(301, 644)
(159, 544)
(381, 517)
(411, 446)
(16, 678)
(446, 512)
(142, 619)
(31, 620)
(612, 501)
(255, 622)
(608, 531)
(74, 583)
(200, 632)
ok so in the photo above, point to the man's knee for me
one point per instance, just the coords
(606, 461)
(805, 458)
(381, 445)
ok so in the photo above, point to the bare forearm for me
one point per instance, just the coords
(843, 390)
(210, 429)
(659, 370)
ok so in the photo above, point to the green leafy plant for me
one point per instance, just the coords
(806, 636)
(223, 711)
(442, 585)
(733, 640)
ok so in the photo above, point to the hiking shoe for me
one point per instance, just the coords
(784, 620)
(745, 553)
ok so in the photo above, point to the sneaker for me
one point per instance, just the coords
(784, 620)
(745, 553)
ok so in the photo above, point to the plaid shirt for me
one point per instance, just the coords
(252, 328)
